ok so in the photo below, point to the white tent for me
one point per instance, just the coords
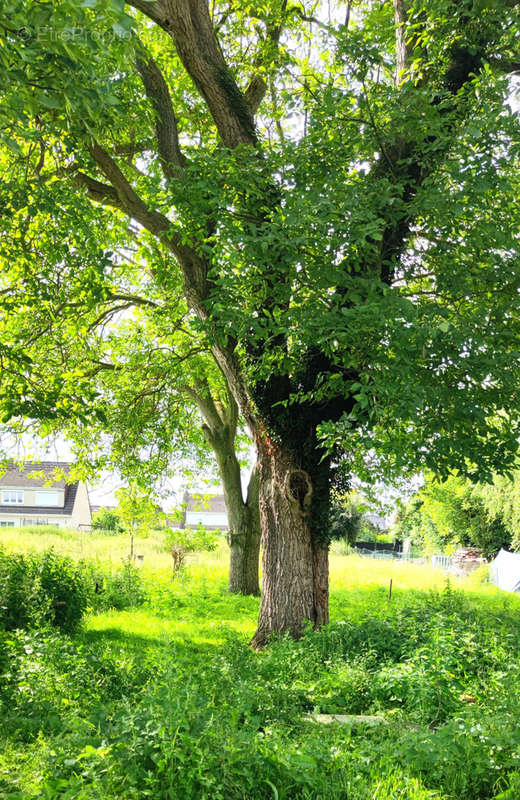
(504, 571)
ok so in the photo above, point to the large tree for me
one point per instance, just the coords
(339, 198)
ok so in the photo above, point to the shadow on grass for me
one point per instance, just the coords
(114, 635)
(185, 644)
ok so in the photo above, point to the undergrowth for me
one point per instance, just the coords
(169, 702)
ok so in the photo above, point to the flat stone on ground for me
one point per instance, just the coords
(347, 719)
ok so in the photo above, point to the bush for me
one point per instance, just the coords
(107, 520)
(181, 541)
(41, 588)
(120, 588)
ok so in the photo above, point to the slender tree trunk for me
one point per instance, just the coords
(243, 516)
(295, 571)
(220, 430)
(243, 519)
(244, 542)
(244, 547)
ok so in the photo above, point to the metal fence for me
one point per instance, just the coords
(385, 554)
(442, 562)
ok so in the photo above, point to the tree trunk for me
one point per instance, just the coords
(244, 546)
(295, 570)
(243, 517)
(220, 430)
(244, 542)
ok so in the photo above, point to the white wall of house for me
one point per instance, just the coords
(33, 519)
(81, 514)
(211, 518)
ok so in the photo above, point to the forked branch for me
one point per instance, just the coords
(189, 24)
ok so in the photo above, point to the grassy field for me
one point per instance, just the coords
(167, 700)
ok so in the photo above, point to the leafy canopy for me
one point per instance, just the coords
(336, 202)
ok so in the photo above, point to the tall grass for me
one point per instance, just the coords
(97, 546)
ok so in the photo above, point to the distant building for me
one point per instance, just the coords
(383, 523)
(31, 496)
(206, 509)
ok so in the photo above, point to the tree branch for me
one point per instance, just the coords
(158, 93)
(107, 313)
(205, 401)
(128, 198)
(402, 51)
(257, 88)
(189, 24)
(232, 409)
(255, 92)
(154, 11)
(135, 300)
(99, 192)
(121, 194)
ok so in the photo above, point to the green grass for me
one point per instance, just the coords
(167, 700)
(95, 546)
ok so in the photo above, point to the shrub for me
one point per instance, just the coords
(180, 541)
(107, 520)
(41, 588)
(119, 588)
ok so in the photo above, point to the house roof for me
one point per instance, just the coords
(26, 479)
(34, 475)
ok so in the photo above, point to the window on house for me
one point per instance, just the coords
(47, 498)
(4, 523)
(12, 497)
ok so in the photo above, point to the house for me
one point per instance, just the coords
(206, 509)
(32, 496)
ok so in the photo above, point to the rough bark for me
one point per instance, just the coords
(295, 570)
(189, 24)
(402, 51)
(158, 92)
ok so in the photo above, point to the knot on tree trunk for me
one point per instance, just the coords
(298, 490)
(236, 539)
